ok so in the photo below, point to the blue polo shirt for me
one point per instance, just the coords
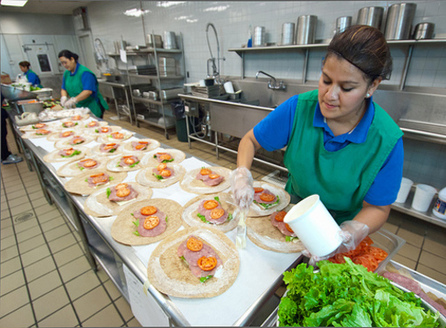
(33, 78)
(88, 81)
(279, 124)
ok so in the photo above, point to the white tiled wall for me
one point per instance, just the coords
(233, 19)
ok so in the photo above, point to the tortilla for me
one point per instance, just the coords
(33, 135)
(107, 137)
(178, 156)
(96, 150)
(170, 275)
(152, 144)
(85, 125)
(71, 169)
(123, 228)
(78, 185)
(55, 157)
(97, 204)
(112, 164)
(284, 199)
(96, 131)
(262, 233)
(65, 143)
(29, 127)
(191, 219)
(145, 177)
(55, 136)
(191, 184)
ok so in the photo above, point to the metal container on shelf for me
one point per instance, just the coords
(170, 40)
(259, 37)
(424, 31)
(372, 16)
(306, 29)
(30, 106)
(170, 93)
(287, 38)
(154, 41)
(342, 23)
(399, 21)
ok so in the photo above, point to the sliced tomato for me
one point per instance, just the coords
(207, 263)
(194, 244)
(217, 213)
(280, 216)
(267, 197)
(148, 210)
(378, 253)
(205, 171)
(258, 189)
(165, 173)
(151, 222)
(210, 204)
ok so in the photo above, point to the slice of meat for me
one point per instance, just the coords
(108, 148)
(88, 163)
(214, 182)
(139, 145)
(163, 174)
(98, 180)
(403, 281)
(128, 161)
(436, 305)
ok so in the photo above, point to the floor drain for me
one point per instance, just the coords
(23, 217)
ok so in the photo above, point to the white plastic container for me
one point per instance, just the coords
(423, 197)
(229, 88)
(406, 184)
(314, 226)
(439, 209)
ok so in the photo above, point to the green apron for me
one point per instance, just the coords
(341, 178)
(73, 86)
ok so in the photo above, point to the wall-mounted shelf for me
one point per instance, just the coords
(307, 47)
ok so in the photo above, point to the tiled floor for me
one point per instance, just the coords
(46, 280)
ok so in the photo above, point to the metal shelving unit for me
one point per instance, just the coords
(156, 108)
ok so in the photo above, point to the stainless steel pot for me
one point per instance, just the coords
(287, 34)
(259, 37)
(170, 40)
(342, 23)
(306, 29)
(424, 31)
(154, 41)
(399, 21)
(372, 16)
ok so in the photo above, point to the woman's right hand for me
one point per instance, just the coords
(242, 187)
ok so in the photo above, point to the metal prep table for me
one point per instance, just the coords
(95, 234)
(108, 90)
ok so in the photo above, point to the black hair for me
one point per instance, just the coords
(364, 47)
(68, 54)
(25, 63)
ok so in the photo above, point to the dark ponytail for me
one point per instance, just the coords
(68, 54)
(364, 47)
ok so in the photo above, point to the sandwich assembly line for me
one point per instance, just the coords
(188, 163)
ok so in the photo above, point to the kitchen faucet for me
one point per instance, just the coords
(214, 61)
(272, 85)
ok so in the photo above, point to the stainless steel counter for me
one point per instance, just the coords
(95, 233)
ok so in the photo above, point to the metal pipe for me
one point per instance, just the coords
(214, 66)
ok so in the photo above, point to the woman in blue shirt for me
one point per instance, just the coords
(81, 85)
(32, 77)
(340, 144)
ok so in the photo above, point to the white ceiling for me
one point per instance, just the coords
(47, 7)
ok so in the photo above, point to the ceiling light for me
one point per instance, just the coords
(136, 12)
(167, 4)
(15, 3)
(217, 8)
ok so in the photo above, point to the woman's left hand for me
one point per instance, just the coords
(71, 103)
(352, 233)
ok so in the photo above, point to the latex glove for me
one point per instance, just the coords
(241, 186)
(63, 100)
(71, 103)
(352, 233)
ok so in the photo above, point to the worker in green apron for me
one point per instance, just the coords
(340, 144)
(80, 86)
(32, 77)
